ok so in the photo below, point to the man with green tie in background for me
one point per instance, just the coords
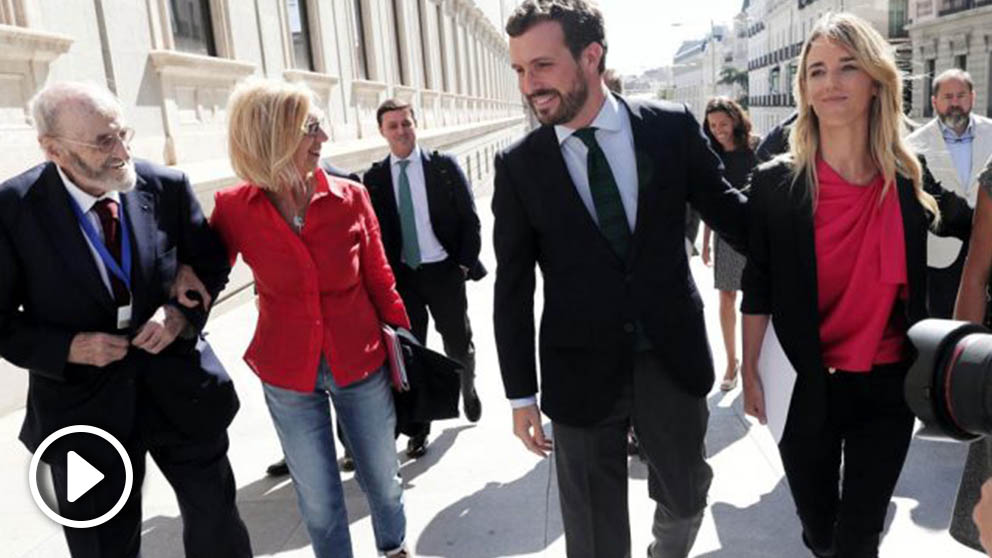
(431, 234)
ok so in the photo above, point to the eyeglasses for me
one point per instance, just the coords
(106, 143)
(313, 127)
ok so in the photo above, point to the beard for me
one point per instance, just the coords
(955, 118)
(107, 177)
(569, 103)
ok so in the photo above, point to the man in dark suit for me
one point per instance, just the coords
(430, 231)
(597, 198)
(90, 243)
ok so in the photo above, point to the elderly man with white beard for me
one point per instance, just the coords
(90, 245)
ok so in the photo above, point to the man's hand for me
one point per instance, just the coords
(186, 280)
(982, 516)
(161, 330)
(97, 349)
(527, 427)
(754, 394)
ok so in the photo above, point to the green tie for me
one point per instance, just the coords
(605, 195)
(408, 220)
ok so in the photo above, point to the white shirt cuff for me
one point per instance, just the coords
(523, 402)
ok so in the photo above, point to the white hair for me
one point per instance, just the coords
(48, 103)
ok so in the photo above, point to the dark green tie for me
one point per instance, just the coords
(605, 195)
(408, 220)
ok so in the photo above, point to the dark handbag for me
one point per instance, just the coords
(435, 386)
(189, 395)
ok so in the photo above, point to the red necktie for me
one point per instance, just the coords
(106, 210)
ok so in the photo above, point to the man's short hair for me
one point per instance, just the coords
(953, 73)
(581, 22)
(390, 105)
(47, 105)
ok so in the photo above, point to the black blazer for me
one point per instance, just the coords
(50, 290)
(592, 299)
(780, 278)
(450, 203)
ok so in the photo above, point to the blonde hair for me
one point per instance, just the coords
(890, 154)
(265, 126)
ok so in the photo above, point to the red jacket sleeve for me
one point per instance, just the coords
(376, 274)
(219, 222)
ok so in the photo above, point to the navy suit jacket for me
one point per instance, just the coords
(593, 300)
(50, 290)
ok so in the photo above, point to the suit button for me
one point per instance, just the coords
(628, 327)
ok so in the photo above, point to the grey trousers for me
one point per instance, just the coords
(591, 464)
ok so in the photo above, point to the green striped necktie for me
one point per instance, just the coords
(408, 220)
(605, 195)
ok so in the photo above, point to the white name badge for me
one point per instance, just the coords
(124, 317)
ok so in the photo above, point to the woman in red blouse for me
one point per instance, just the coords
(837, 262)
(324, 289)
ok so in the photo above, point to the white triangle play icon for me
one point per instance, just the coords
(82, 476)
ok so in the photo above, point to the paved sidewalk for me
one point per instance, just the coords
(479, 494)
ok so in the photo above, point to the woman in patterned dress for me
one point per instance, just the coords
(729, 132)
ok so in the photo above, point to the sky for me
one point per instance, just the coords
(644, 34)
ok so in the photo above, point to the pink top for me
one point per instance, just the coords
(861, 270)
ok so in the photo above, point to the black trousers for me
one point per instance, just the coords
(942, 286)
(591, 465)
(440, 289)
(200, 475)
(868, 425)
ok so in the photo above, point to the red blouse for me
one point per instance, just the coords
(326, 290)
(861, 270)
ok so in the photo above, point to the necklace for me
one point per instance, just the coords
(298, 222)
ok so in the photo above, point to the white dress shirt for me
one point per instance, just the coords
(616, 138)
(431, 250)
(86, 203)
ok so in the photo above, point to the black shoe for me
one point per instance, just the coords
(347, 463)
(473, 407)
(417, 446)
(278, 469)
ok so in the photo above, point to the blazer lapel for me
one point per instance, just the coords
(646, 196)
(51, 201)
(432, 187)
(384, 187)
(801, 208)
(139, 209)
(553, 172)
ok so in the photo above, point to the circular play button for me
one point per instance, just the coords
(82, 476)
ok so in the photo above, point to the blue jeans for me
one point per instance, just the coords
(306, 432)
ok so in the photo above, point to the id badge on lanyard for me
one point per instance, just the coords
(123, 270)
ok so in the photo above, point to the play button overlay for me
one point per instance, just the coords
(81, 476)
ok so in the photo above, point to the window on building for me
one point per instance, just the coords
(931, 69)
(359, 53)
(424, 46)
(12, 13)
(399, 52)
(898, 12)
(299, 31)
(961, 61)
(988, 88)
(192, 26)
(442, 46)
(773, 79)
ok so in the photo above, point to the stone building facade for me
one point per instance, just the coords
(174, 63)
(951, 34)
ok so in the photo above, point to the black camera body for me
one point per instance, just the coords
(949, 387)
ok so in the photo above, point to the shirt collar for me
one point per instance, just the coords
(327, 184)
(413, 157)
(948, 133)
(608, 119)
(84, 200)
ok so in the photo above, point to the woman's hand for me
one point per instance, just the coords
(754, 394)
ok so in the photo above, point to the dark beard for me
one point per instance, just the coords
(955, 118)
(569, 104)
